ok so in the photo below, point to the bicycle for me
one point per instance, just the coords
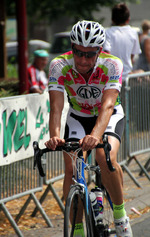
(79, 190)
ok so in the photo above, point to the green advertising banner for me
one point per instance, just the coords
(24, 119)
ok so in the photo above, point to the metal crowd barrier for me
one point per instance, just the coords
(17, 180)
(123, 153)
(53, 164)
(137, 108)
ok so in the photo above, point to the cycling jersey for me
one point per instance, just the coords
(37, 78)
(85, 97)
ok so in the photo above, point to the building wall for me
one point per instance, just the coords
(138, 12)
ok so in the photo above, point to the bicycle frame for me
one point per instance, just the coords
(80, 185)
(79, 180)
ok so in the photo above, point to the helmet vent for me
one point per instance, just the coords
(88, 34)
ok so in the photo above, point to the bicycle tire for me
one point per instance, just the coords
(108, 218)
(74, 194)
(106, 228)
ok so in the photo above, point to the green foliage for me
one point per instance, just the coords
(12, 71)
(52, 10)
(9, 87)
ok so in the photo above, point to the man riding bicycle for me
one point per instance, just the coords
(92, 80)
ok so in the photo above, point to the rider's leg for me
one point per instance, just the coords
(113, 181)
(68, 175)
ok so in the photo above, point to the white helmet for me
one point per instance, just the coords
(88, 34)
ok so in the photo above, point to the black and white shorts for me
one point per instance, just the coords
(78, 126)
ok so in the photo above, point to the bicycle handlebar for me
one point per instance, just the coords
(68, 147)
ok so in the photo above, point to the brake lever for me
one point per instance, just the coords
(37, 158)
(107, 149)
(35, 147)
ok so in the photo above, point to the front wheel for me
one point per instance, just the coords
(71, 213)
(108, 218)
(106, 228)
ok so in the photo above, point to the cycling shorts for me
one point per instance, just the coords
(77, 126)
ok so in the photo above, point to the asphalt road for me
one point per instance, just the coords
(141, 227)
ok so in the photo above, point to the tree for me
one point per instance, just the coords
(53, 10)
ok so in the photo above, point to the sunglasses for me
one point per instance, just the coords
(80, 54)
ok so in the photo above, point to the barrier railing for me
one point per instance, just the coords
(138, 117)
(123, 153)
(54, 169)
(17, 180)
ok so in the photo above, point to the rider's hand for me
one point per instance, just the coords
(88, 142)
(53, 142)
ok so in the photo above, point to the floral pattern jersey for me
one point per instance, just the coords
(85, 97)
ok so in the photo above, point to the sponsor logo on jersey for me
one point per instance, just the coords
(114, 77)
(88, 92)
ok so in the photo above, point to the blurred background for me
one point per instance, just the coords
(27, 25)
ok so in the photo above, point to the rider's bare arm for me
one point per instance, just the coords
(56, 107)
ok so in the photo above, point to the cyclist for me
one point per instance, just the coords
(92, 80)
